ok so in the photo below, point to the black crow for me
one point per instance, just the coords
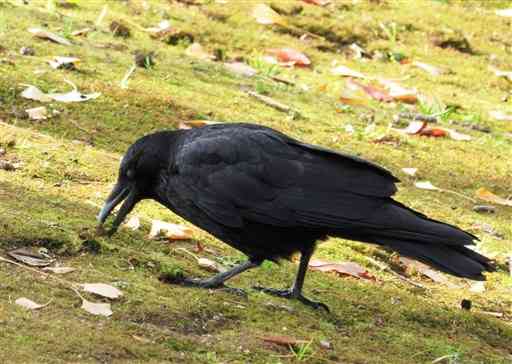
(270, 196)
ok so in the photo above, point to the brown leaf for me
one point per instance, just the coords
(283, 340)
(170, 231)
(343, 268)
(289, 57)
(486, 195)
(372, 91)
(196, 124)
(423, 269)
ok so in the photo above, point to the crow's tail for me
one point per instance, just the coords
(414, 235)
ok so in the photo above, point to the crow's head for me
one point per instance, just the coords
(138, 175)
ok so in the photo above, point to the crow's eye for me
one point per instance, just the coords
(130, 173)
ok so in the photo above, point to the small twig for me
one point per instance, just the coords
(458, 194)
(124, 82)
(188, 252)
(282, 80)
(80, 127)
(420, 117)
(270, 102)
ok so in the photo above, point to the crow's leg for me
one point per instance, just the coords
(217, 281)
(296, 291)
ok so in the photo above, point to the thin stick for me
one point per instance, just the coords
(270, 102)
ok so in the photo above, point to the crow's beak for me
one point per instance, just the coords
(126, 192)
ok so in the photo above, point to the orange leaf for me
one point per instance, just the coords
(343, 268)
(486, 195)
(433, 132)
(290, 56)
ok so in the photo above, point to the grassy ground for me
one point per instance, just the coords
(70, 161)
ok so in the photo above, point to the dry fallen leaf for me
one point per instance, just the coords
(33, 93)
(500, 115)
(265, 15)
(241, 69)
(346, 72)
(455, 135)
(426, 185)
(208, 264)
(433, 70)
(102, 289)
(425, 270)
(504, 12)
(59, 270)
(28, 304)
(372, 91)
(163, 26)
(414, 127)
(63, 62)
(184, 125)
(196, 50)
(31, 257)
(101, 309)
(410, 171)
(343, 268)
(486, 195)
(37, 113)
(170, 231)
(133, 223)
(477, 287)
(289, 57)
(283, 340)
(43, 34)
(400, 93)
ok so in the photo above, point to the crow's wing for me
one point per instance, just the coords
(257, 174)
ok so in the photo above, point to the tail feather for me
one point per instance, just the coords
(456, 260)
(414, 235)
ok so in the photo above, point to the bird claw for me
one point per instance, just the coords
(288, 293)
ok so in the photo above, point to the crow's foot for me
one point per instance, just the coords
(290, 294)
